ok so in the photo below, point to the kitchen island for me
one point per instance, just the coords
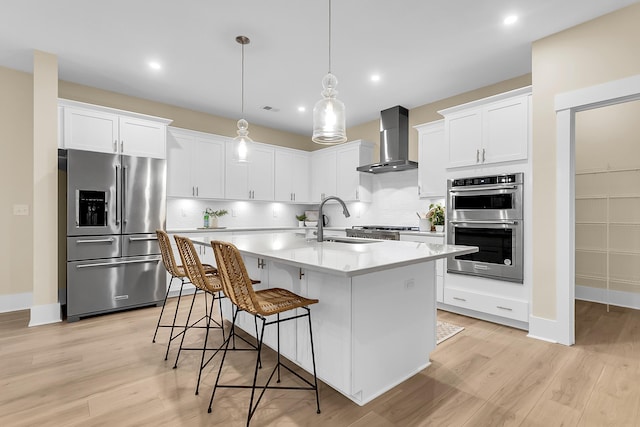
(375, 324)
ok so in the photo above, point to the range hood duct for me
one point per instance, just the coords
(394, 142)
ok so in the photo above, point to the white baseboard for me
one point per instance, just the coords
(45, 314)
(543, 329)
(618, 298)
(16, 302)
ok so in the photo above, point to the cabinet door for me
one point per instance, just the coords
(463, 132)
(261, 170)
(236, 184)
(347, 177)
(432, 158)
(323, 168)
(90, 130)
(301, 168)
(506, 130)
(142, 138)
(208, 168)
(283, 175)
(180, 150)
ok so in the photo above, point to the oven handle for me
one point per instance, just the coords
(487, 188)
(485, 222)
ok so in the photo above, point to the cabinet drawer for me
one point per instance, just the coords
(489, 304)
(93, 247)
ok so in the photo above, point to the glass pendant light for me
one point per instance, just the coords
(329, 114)
(242, 141)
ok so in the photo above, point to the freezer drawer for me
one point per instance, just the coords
(101, 286)
(140, 244)
(93, 247)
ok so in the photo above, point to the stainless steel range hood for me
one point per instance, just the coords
(394, 142)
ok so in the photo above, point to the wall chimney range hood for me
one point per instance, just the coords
(394, 142)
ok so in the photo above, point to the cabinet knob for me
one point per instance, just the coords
(478, 156)
(483, 155)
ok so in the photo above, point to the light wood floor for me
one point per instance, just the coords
(104, 371)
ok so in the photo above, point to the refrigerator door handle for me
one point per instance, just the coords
(117, 263)
(117, 201)
(138, 239)
(124, 196)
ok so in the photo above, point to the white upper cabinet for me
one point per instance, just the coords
(334, 172)
(251, 180)
(195, 164)
(323, 174)
(94, 128)
(351, 184)
(292, 175)
(489, 130)
(432, 160)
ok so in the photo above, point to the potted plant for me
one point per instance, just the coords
(436, 216)
(211, 217)
(301, 219)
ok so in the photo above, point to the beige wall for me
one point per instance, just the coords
(16, 180)
(45, 181)
(182, 117)
(429, 112)
(598, 51)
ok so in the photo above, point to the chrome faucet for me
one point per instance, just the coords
(321, 218)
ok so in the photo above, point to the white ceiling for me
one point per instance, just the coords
(424, 50)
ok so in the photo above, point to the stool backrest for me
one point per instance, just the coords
(192, 265)
(236, 283)
(168, 259)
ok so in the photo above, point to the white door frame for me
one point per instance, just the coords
(567, 105)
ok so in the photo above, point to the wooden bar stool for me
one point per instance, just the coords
(261, 304)
(212, 286)
(208, 283)
(177, 272)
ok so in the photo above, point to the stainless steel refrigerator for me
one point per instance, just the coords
(114, 204)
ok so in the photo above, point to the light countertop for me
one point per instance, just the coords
(283, 228)
(343, 259)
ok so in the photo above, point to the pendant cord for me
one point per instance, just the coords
(329, 36)
(242, 85)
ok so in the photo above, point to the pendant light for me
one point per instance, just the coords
(242, 141)
(329, 114)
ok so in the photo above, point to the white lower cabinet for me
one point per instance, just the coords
(488, 303)
(440, 263)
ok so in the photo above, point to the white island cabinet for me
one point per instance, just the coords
(360, 286)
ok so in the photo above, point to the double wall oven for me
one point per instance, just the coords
(487, 212)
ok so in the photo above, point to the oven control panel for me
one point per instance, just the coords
(488, 180)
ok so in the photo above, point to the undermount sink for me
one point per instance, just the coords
(350, 241)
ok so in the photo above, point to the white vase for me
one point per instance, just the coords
(300, 223)
(439, 228)
(213, 222)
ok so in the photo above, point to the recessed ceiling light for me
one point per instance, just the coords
(302, 109)
(375, 77)
(155, 65)
(510, 20)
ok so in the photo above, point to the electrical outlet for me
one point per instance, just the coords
(233, 213)
(409, 283)
(275, 213)
(21, 210)
(183, 213)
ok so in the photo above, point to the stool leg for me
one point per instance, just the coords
(221, 318)
(162, 311)
(255, 374)
(186, 326)
(175, 315)
(206, 338)
(313, 360)
(224, 355)
(278, 342)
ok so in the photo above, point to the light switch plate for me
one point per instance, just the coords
(21, 210)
